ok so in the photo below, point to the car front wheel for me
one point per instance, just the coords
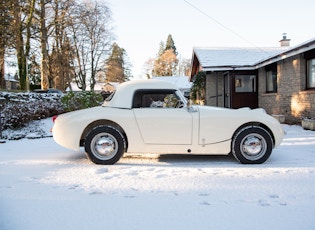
(252, 145)
(104, 145)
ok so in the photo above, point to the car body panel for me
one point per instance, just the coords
(164, 126)
(190, 129)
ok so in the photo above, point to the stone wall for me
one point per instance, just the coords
(292, 99)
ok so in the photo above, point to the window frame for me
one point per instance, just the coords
(240, 83)
(139, 96)
(271, 75)
(310, 84)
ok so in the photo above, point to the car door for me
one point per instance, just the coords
(161, 121)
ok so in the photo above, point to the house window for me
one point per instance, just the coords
(271, 84)
(245, 83)
(311, 74)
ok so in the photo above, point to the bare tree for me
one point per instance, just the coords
(43, 43)
(61, 70)
(92, 36)
(184, 66)
(5, 30)
(23, 15)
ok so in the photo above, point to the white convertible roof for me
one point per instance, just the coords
(124, 94)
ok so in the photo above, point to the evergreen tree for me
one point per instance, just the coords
(117, 65)
(170, 45)
(161, 49)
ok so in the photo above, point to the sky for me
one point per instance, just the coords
(140, 25)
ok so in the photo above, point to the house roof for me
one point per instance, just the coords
(228, 58)
(9, 77)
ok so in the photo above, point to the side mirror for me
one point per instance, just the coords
(190, 108)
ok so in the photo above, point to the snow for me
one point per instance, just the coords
(234, 56)
(44, 186)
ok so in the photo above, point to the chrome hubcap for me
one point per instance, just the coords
(104, 146)
(253, 146)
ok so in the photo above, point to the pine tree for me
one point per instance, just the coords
(170, 45)
(117, 67)
(161, 49)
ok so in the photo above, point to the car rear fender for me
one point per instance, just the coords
(102, 122)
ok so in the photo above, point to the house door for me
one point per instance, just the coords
(226, 90)
(245, 91)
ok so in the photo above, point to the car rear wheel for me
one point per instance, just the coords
(104, 145)
(252, 145)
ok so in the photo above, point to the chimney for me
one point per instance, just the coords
(285, 42)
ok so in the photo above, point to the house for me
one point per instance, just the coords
(11, 82)
(182, 82)
(281, 80)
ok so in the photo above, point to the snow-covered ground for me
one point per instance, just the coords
(44, 186)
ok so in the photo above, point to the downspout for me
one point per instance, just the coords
(217, 90)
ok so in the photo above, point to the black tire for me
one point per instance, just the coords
(252, 145)
(104, 145)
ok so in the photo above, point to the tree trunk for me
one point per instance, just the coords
(19, 43)
(2, 77)
(43, 41)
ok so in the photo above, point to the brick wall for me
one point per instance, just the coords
(291, 99)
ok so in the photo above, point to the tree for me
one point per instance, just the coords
(197, 91)
(166, 61)
(166, 64)
(170, 45)
(184, 67)
(92, 36)
(61, 56)
(5, 32)
(23, 13)
(117, 65)
(43, 42)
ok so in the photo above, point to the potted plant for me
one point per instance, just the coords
(308, 123)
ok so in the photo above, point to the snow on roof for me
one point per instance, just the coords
(9, 77)
(234, 56)
(225, 58)
(182, 82)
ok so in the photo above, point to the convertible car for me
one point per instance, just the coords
(152, 116)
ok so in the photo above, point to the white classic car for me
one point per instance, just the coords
(152, 116)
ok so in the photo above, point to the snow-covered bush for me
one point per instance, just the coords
(17, 109)
(81, 100)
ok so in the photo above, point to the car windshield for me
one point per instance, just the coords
(110, 97)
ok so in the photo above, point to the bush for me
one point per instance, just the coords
(17, 109)
(81, 100)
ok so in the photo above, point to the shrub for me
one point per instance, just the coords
(81, 100)
(17, 109)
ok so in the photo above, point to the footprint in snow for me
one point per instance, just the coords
(203, 194)
(263, 203)
(75, 186)
(101, 170)
(274, 196)
(205, 203)
(95, 193)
